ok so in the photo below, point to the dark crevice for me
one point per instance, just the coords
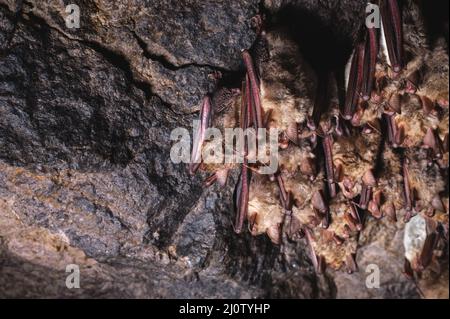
(161, 59)
(121, 63)
(326, 49)
(15, 19)
(166, 225)
(436, 15)
(165, 62)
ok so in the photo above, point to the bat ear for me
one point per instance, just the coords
(374, 209)
(252, 223)
(318, 202)
(274, 233)
(294, 228)
(369, 179)
(350, 262)
(389, 210)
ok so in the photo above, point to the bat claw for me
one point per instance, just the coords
(395, 103)
(318, 202)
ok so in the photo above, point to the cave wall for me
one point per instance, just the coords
(85, 173)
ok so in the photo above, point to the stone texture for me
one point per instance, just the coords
(86, 177)
(85, 173)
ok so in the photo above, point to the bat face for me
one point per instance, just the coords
(379, 152)
(287, 83)
(337, 244)
(355, 157)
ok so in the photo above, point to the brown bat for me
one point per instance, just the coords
(380, 148)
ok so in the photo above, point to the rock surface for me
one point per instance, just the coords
(85, 173)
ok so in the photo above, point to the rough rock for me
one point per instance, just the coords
(85, 172)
